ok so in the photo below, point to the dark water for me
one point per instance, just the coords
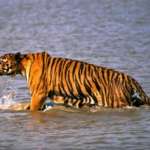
(105, 32)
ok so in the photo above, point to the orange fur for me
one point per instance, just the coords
(74, 83)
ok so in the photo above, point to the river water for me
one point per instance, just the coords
(112, 33)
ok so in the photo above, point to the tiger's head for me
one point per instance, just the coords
(9, 63)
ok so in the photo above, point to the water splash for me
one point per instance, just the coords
(7, 100)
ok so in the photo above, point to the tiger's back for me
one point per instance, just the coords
(80, 83)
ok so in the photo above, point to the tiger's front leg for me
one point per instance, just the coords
(37, 101)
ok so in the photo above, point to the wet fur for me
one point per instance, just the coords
(73, 83)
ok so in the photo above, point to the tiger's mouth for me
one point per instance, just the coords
(7, 71)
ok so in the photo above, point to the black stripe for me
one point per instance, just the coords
(51, 70)
(78, 85)
(103, 76)
(68, 76)
(66, 101)
(74, 103)
(74, 67)
(55, 70)
(72, 75)
(97, 85)
(128, 99)
(48, 62)
(65, 78)
(88, 89)
(112, 74)
(115, 77)
(60, 76)
(80, 94)
(54, 63)
(81, 68)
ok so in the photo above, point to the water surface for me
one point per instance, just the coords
(104, 32)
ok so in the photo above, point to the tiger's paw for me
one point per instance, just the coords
(47, 106)
(27, 107)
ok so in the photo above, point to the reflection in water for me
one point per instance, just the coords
(110, 33)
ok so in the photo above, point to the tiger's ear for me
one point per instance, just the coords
(18, 57)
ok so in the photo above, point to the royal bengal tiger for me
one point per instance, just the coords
(72, 82)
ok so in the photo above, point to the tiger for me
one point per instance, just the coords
(72, 83)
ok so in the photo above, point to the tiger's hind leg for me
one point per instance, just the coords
(136, 100)
(73, 102)
(57, 99)
(66, 101)
(79, 103)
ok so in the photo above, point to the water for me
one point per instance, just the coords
(104, 32)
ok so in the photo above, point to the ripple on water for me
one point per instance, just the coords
(110, 33)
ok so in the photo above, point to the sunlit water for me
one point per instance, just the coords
(104, 32)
